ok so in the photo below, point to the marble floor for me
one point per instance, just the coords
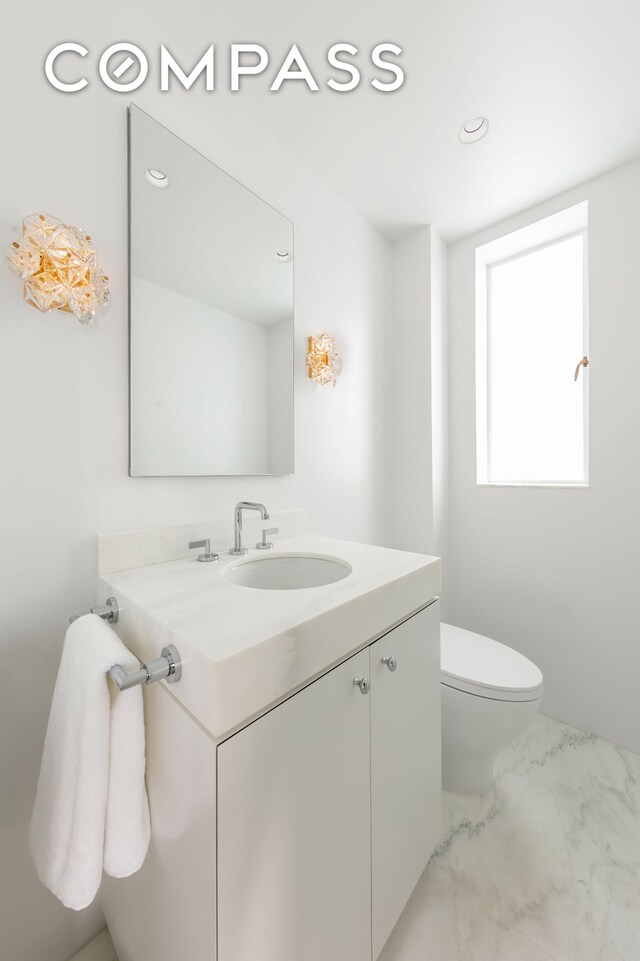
(546, 866)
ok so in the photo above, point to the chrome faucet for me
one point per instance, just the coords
(237, 548)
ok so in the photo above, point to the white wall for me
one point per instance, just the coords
(416, 435)
(64, 391)
(553, 572)
(439, 396)
(199, 388)
(278, 375)
(410, 502)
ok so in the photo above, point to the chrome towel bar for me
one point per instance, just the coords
(109, 611)
(167, 667)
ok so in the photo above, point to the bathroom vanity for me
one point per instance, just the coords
(294, 771)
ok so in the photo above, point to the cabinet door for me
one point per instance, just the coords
(294, 856)
(405, 764)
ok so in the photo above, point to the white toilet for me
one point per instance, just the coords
(489, 695)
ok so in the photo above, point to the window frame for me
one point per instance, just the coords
(529, 240)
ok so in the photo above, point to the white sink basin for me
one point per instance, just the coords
(288, 572)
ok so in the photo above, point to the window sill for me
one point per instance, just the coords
(579, 485)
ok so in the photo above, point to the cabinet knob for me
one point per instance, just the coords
(390, 662)
(363, 683)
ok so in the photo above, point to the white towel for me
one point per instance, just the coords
(91, 810)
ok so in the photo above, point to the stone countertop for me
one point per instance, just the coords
(244, 650)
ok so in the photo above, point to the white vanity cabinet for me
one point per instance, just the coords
(406, 794)
(292, 812)
(294, 842)
(328, 807)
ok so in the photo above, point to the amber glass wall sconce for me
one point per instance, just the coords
(58, 266)
(324, 360)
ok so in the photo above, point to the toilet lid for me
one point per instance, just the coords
(479, 665)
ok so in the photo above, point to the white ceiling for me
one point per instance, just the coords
(559, 81)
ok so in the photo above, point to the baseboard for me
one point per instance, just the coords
(100, 949)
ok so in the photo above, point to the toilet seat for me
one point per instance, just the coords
(479, 665)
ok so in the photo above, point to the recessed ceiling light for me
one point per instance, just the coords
(157, 178)
(282, 256)
(474, 129)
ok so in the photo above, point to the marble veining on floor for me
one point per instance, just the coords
(545, 866)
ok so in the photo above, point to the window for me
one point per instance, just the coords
(531, 333)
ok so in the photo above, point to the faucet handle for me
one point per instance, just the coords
(264, 544)
(207, 556)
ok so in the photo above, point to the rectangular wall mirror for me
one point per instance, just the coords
(211, 316)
